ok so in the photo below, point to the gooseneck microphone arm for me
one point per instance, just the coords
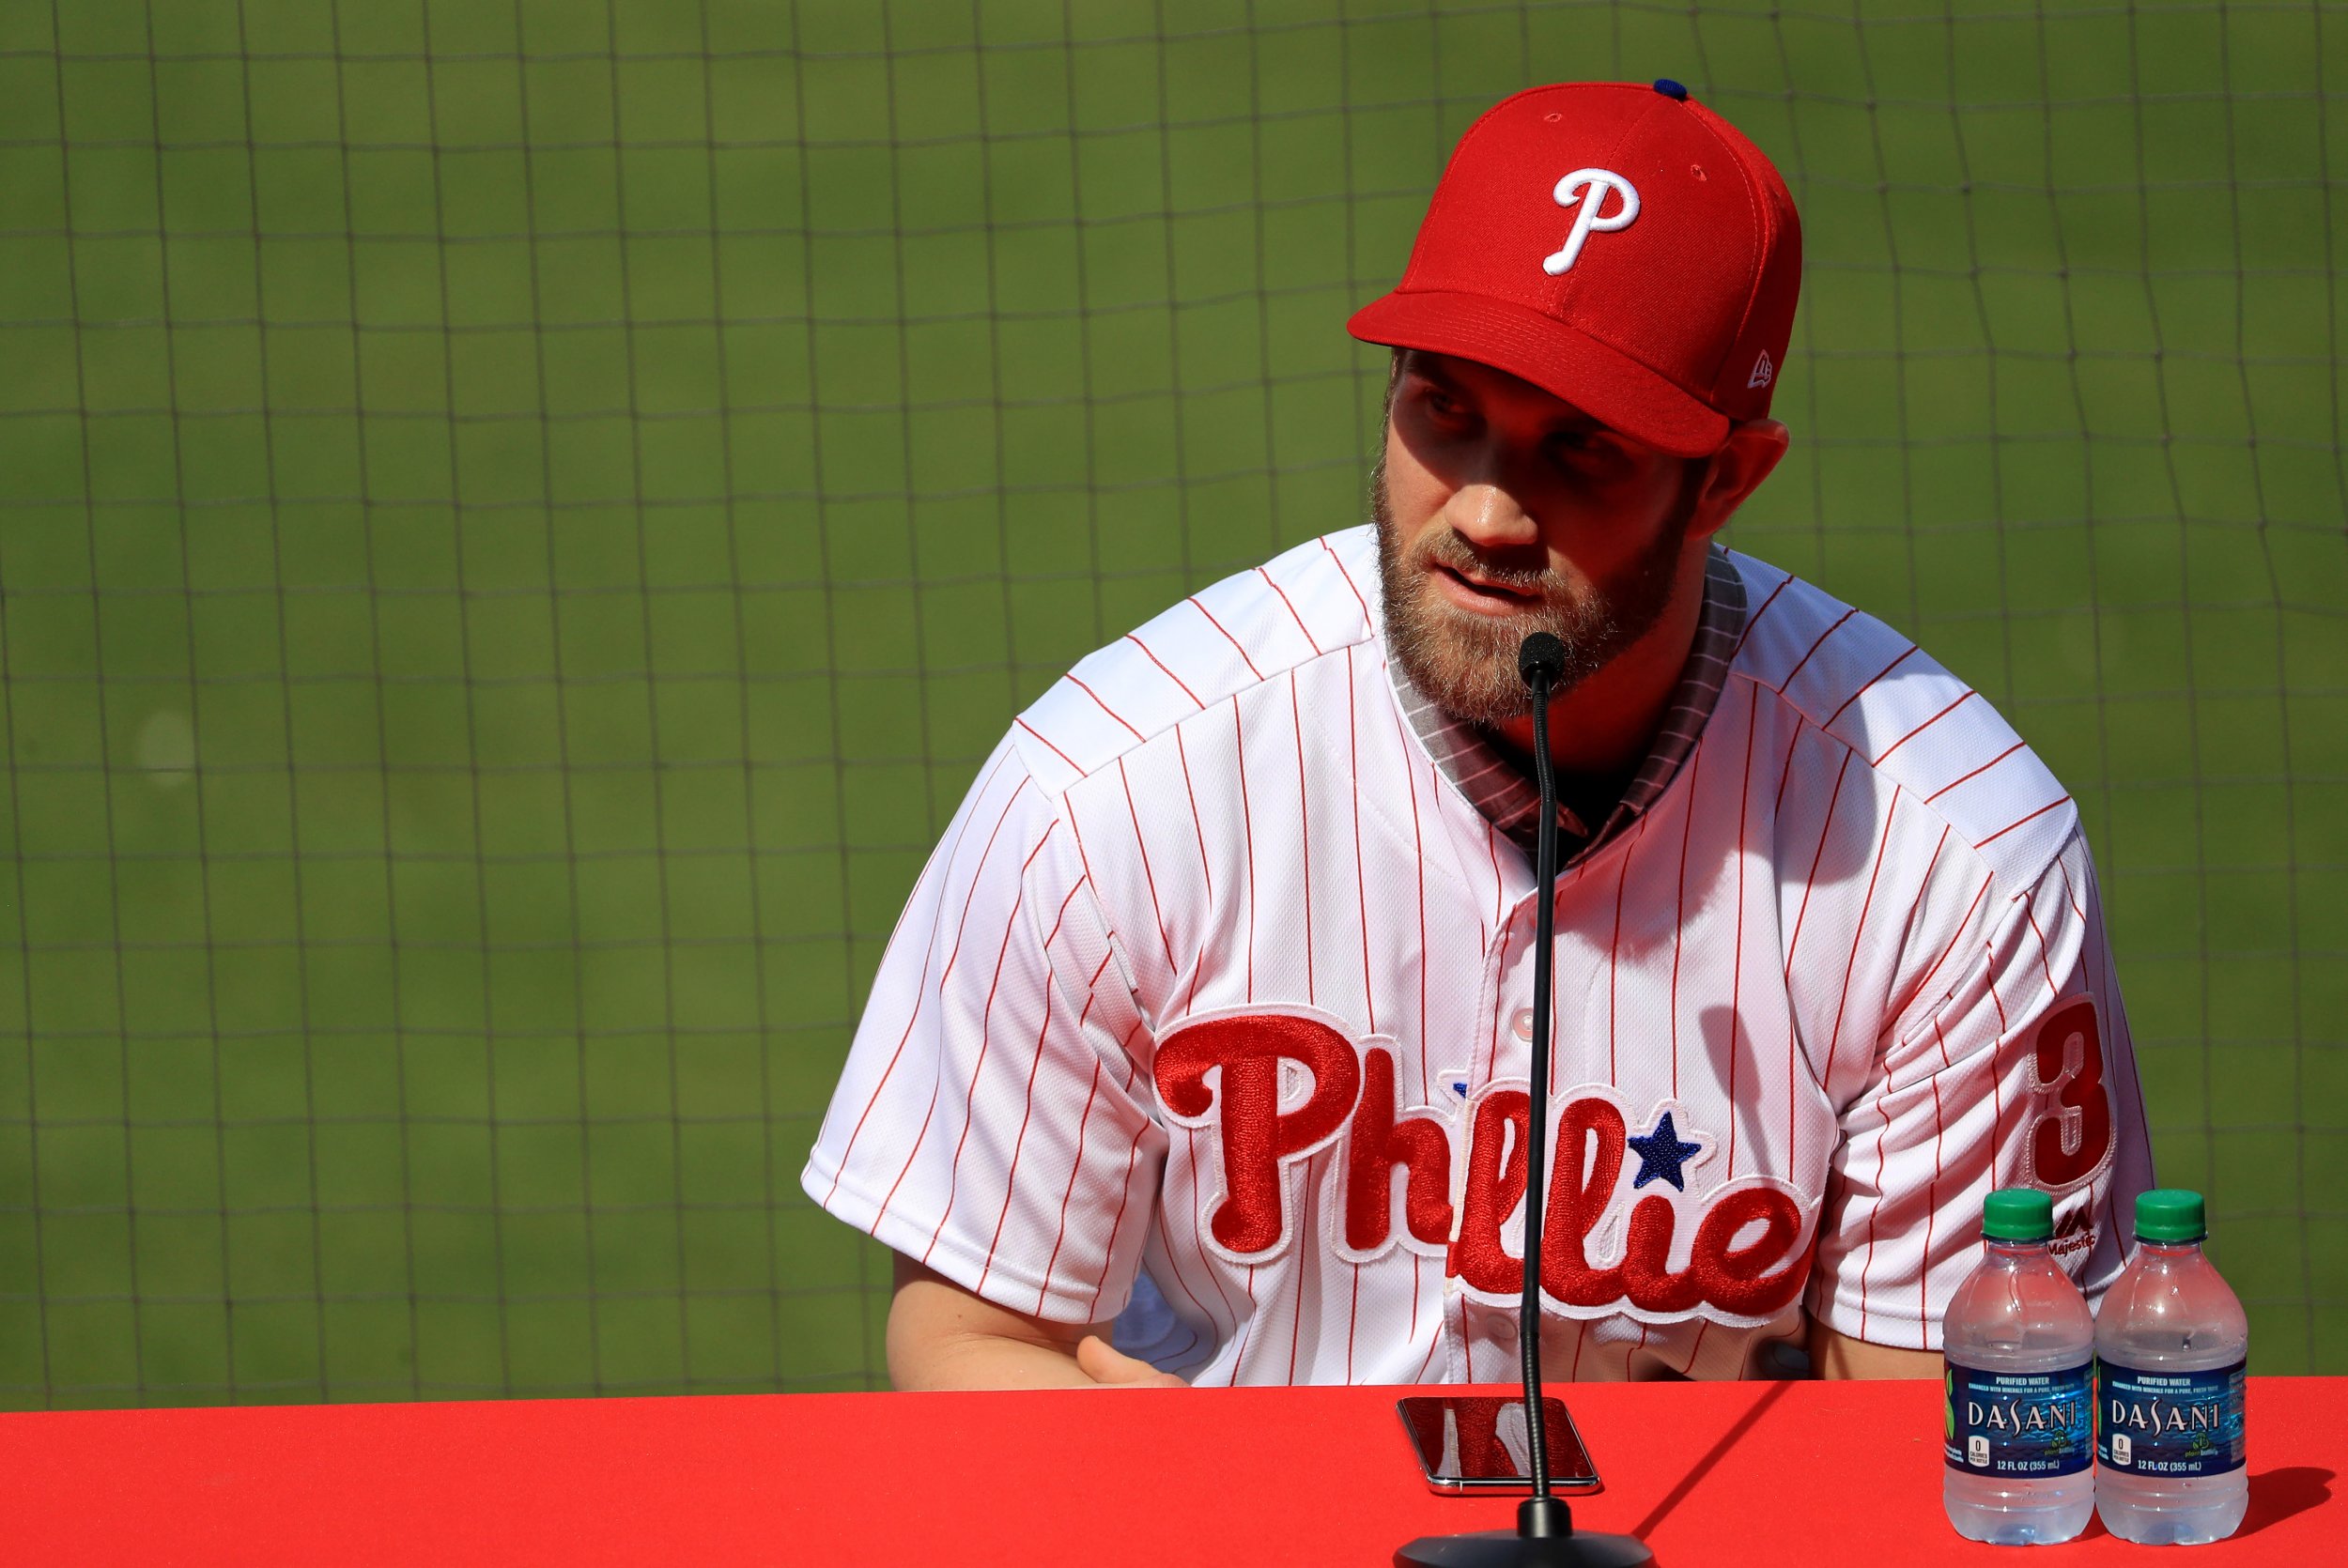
(1544, 1536)
(1540, 660)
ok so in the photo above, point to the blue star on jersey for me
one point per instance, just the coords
(1661, 1155)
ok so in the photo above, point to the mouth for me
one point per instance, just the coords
(1481, 598)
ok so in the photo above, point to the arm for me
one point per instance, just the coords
(1833, 1354)
(941, 1336)
(2013, 1070)
(977, 1041)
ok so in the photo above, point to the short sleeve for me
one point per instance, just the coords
(990, 1121)
(2011, 1065)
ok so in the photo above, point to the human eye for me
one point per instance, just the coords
(1588, 451)
(1441, 407)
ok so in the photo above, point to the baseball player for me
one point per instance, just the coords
(1199, 1051)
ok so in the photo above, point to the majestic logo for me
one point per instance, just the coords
(2074, 1232)
(1649, 1240)
(1587, 189)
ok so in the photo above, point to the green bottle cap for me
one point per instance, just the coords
(2019, 1214)
(2170, 1214)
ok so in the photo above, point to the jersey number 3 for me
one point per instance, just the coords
(2071, 1134)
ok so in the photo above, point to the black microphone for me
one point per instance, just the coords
(1544, 1536)
(1540, 660)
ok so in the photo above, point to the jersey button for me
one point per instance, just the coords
(1521, 1024)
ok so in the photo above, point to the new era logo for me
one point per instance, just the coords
(1763, 372)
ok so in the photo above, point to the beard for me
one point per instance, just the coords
(1465, 662)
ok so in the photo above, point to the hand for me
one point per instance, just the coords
(1111, 1368)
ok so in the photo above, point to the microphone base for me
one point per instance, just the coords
(1505, 1548)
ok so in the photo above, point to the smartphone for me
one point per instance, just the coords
(1476, 1444)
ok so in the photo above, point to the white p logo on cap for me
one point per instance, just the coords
(1586, 189)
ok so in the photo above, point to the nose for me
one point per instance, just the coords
(1486, 515)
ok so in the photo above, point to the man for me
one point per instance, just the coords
(1208, 1020)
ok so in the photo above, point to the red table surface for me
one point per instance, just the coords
(1737, 1473)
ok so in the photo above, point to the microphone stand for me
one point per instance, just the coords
(1544, 1536)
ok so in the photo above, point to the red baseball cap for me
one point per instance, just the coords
(1620, 246)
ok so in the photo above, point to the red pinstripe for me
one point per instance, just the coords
(1206, 869)
(1418, 870)
(1679, 908)
(1133, 1157)
(1754, 620)
(978, 792)
(1361, 872)
(1834, 1037)
(1920, 728)
(1353, 1327)
(2070, 894)
(1874, 1206)
(1190, 1150)
(1247, 824)
(1984, 768)
(1077, 1161)
(1434, 1344)
(1811, 881)
(1737, 959)
(1304, 831)
(921, 994)
(1491, 1061)
(1309, 640)
(1367, 622)
(1924, 883)
(1136, 639)
(1296, 1336)
(1206, 866)
(1018, 1147)
(1147, 876)
(1932, 1192)
(1102, 706)
(1787, 772)
(978, 1067)
(2045, 959)
(1068, 1194)
(1202, 610)
(1793, 1043)
(1026, 1113)
(2064, 800)
(1997, 1075)
(1787, 680)
(1614, 954)
(1492, 846)
(1239, 1351)
(1047, 741)
(1959, 936)
(1868, 685)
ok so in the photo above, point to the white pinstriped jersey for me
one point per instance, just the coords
(1217, 978)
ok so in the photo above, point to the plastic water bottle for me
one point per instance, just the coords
(2020, 1346)
(2171, 1340)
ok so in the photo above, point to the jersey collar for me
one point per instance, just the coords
(1504, 793)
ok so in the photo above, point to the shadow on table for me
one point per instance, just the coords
(2277, 1494)
(1703, 1467)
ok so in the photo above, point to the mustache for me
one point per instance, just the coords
(1444, 547)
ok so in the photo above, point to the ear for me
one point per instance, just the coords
(1735, 472)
